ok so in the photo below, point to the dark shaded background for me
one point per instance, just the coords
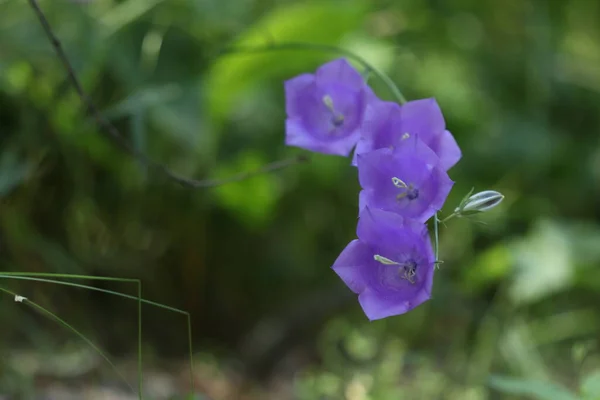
(519, 83)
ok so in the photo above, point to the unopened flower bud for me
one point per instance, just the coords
(479, 202)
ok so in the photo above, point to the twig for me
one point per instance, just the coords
(110, 130)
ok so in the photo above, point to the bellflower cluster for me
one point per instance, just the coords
(402, 153)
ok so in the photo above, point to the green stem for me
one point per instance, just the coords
(189, 326)
(449, 217)
(321, 47)
(436, 236)
(33, 276)
(140, 371)
(65, 324)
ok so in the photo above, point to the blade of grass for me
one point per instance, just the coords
(65, 324)
(38, 277)
(14, 275)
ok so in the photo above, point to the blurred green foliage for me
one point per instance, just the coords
(518, 297)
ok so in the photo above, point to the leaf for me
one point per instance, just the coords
(534, 389)
(590, 387)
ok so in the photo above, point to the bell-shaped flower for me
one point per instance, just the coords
(407, 180)
(386, 124)
(390, 266)
(325, 110)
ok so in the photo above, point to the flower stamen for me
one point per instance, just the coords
(337, 119)
(408, 271)
(410, 191)
(399, 183)
(384, 260)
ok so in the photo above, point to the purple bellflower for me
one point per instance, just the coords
(406, 180)
(387, 124)
(325, 110)
(390, 266)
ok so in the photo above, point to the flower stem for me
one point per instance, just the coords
(436, 236)
(449, 217)
(321, 47)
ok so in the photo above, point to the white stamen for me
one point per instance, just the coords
(399, 183)
(384, 260)
(328, 101)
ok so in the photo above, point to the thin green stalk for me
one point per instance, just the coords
(14, 275)
(436, 235)
(140, 365)
(320, 47)
(32, 276)
(9, 275)
(72, 329)
(189, 327)
(449, 217)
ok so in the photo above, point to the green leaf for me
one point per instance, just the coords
(590, 387)
(534, 389)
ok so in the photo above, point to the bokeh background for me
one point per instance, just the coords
(515, 310)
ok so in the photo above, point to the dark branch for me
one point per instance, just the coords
(112, 132)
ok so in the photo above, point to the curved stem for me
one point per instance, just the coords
(321, 47)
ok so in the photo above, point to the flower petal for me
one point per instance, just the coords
(297, 135)
(350, 262)
(413, 147)
(380, 127)
(447, 150)
(340, 70)
(444, 186)
(363, 200)
(293, 90)
(378, 227)
(377, 307)
(372, 165)
(423, 118)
